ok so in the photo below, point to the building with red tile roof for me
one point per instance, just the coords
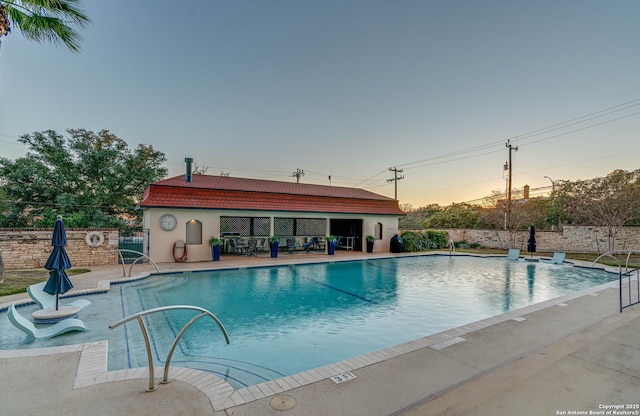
(193, 208)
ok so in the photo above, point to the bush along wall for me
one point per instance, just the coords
(419, 241)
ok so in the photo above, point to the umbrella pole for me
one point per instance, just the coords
(56, 301)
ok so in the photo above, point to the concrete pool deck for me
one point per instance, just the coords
(571, 354)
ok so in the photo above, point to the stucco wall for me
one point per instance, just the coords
(29, 248)
(161, 242)
(577, 239)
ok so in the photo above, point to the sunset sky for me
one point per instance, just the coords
(347, 89)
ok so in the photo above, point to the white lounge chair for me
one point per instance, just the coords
(558, 258)
(26, 326)
(45, 300)
(514, 254)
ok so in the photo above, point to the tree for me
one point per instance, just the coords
(51, 21)
(610, 201)
(92, 179)
(524, 212)
(460, 215)
(415, 216)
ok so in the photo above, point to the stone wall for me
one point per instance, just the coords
(572, 239)
(29, 248)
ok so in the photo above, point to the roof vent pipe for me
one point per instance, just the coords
(188, 161)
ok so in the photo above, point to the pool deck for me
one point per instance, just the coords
(573, 354)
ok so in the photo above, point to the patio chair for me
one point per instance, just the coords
(26, 326)
(291, 245)
(312, 243)
(252, 247)
(261, 244)
(307, 246)
(241, 244)
(235, 248)
(514, 254)
(558, 258)
(45, 300)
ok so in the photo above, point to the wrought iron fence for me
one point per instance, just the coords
(133, 240)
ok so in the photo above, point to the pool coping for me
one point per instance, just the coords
(93, 364)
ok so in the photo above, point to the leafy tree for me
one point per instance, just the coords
(461, 215)
(5, 206)
(610, 201)
(524, 213)
(50, 21)
(493, 216)
(416, 216)
(92, 179)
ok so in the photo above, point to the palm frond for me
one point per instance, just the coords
(48, 20)
(65, 9)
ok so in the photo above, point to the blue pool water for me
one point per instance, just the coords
(284, 320)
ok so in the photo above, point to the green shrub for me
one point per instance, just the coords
(412, 241)
(466, 244)
(431, 240)
(438, 239)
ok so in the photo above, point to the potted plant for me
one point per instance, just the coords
(331, 244)
(370, 241)
(273, 246)
(215, 244)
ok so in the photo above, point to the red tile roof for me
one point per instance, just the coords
(223, 192)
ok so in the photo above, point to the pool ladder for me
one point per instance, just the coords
(628, 273)
(145, 334)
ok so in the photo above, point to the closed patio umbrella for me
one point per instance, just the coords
(531, 243)
(57, 262)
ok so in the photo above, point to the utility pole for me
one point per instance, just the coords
(395, 179)
(508, 144)
(297, 174)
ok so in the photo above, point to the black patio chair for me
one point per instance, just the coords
(311, 243)
(235, 248)
(252, 247)
(291, 245)
(260, 245)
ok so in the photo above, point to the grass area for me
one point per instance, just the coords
(16, 281)
(634, 261)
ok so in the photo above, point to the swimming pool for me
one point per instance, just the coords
(284, 320)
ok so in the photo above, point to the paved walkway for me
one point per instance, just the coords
(572, 354)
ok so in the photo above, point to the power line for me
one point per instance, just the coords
(370, 177)
(533, 133)
(526, 144)
(583, 128)
(574, 121)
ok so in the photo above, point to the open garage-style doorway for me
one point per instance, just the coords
(350, 231)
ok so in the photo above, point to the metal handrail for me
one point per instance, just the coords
(452, 246)
(145, 334)
(142, 255)
(627, 273)
(611, 253)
